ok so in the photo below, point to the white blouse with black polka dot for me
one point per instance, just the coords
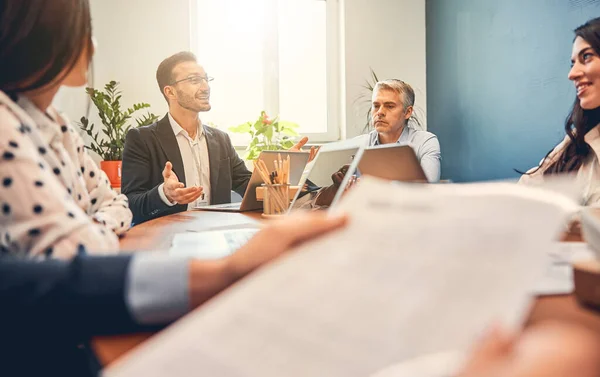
(55, 201)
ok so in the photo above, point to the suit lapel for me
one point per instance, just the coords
(168, 143)
(213, 159)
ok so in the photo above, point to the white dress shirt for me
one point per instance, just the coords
(196, 164)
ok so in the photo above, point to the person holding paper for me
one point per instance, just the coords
(579, 151)
(51, 309)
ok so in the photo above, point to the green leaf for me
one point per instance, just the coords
(258, 125)
(261, 131)
(115, 121)
(241, 129)
(145, 120)
(272, 136)
(252, 154)
(289, 132)
(269, 133)
(288, 125)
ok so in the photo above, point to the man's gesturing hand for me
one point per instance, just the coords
(176, 191)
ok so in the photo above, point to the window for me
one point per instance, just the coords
(280, 56)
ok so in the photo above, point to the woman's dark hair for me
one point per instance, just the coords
(41, 41)
(579, 121)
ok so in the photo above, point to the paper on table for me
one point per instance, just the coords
(570, 252)
(557, 279)
(219, 220)
(211, 244)
(558, 274)
(417, 271)
(444, 364)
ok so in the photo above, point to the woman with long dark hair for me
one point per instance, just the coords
(579, 152)
(55, 201)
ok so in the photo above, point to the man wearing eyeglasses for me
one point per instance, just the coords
(178, 163)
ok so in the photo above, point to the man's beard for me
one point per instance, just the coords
(189, 103)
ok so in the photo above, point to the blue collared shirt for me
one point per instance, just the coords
(157, 288)
(426, 146)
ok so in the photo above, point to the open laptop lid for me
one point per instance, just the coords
(392, 162)
(298, 161)
(318, 173)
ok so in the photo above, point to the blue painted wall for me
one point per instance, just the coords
(497, 87)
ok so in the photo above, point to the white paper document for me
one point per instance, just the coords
(443, 364)
(218, 220)
(558, 268)
(419, 270)
(211, 244)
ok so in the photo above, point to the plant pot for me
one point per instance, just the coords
(113, 171)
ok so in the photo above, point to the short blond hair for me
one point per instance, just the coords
(400, 87)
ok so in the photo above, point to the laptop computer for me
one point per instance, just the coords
(320, 179)
(249, 203)
(392, 162)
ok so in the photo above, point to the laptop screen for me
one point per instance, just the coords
(323, 177)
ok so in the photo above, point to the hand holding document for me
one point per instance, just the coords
(419, 270)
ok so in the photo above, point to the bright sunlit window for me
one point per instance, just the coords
(274, 55)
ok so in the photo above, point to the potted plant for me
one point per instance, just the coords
(267, 134)
(116, 123)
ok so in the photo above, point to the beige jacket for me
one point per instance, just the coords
(588, 175)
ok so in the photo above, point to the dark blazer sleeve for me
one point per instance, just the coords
(240, 175)
(73, 299)
(144, 200)
(51, 309)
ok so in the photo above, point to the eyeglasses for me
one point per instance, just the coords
(195, 80)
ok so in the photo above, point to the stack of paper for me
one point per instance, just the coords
(558, 269)
(419, 270)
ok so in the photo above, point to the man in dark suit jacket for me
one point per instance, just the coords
(147, 151)
(178, 162)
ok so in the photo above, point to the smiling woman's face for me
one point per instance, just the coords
(585, 74)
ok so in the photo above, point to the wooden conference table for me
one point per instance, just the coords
(157, 234)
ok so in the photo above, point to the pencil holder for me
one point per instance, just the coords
(276, 198)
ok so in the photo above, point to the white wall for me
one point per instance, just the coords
(388, 36)
(134, 36)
